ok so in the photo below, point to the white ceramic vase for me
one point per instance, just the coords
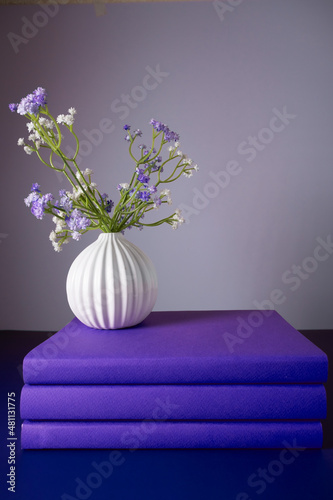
(111, 284)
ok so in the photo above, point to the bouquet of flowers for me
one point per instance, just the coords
(84, 207)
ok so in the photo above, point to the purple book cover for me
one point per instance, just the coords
(178, 347)
(184, 402)
(150, 434)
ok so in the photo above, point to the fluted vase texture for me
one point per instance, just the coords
(111, 284)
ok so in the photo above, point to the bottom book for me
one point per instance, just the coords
(170, 434)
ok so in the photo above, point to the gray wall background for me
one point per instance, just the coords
(225, 77)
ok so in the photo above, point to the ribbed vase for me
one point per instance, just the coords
(111, 284)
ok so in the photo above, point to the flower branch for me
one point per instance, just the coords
(85, 208)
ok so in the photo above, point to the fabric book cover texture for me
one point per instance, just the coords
(204, 347)
(188, 402)
(39, 435)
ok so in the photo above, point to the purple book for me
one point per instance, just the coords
(177, 402)
(226, 347)
(151, 434)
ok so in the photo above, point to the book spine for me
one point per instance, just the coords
(44, 435)
(191, 371)
(176, 402)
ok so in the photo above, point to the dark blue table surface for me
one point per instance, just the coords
(158, 474)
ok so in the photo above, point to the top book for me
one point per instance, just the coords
(203, 347)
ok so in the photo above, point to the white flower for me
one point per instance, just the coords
(171, 148)
(34, 136)
(30, 126)
(92, 185)
(20, 141)
(179, 153)
(166, 192)
(188, 173)
(77, 192)
(60, 224)
(188, 161)
(28, 150)
(56, 220)
(177, 219)
(195, 167)
(177, 144)
(78, 174)
(124, 185)
(56, 246)
(69, 120)
(53, 236)
(47, 123)
(37, 144)
(87, 171)
(60, 119)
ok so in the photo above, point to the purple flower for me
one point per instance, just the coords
(154, 167)
(137, 132)
(31, 103)
(109, 203)
(169, 135)
(65, 201)
(13, 107)
(32, 197)
(77, 222)
(158, 126)
(143, 195)
(35, 187)
(46, 198)
(27, 105)
(144, 179)
(157, 201)
(40, 96)
(127, 138)
(152, 189)
(37, 202)
(37, 209)
(127, 127)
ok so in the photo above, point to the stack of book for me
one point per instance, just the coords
(194, 379)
